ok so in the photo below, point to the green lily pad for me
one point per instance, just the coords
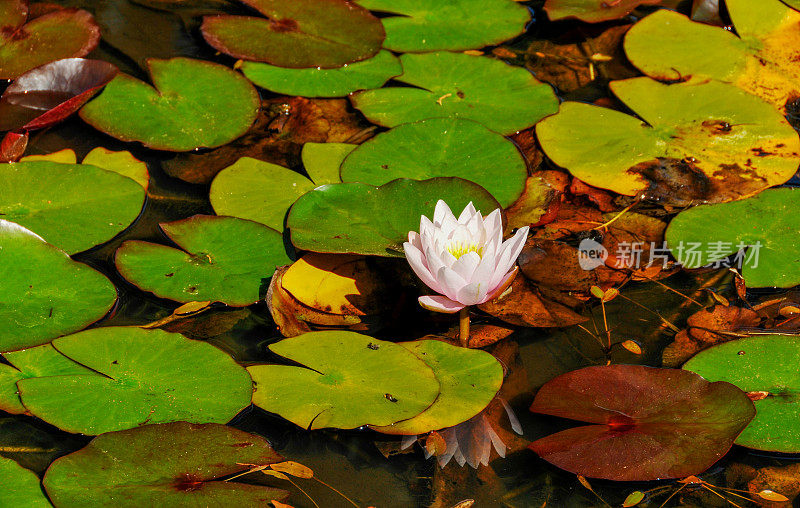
(39, 361)
(297, 34)
(766, 223)
(761, 58)
(317, 82)
(210, 267)
(43, 293)
(21, 487)
(322, 160)
(504, 98)
(448, 147)
(592, 11)
(766, 368)
(469, 380)
(694, 143)
(258, 191)
(119, 162)
(362, 219)
(175, 464)
(43, 196)
(194, 104)
(148, 376)
(428, 25)
(62, 33)
(347, 380)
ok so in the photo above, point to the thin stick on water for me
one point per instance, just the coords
(463, 326)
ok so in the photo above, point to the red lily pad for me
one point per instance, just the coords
(298, 33)
(48, 94)
(648, 423)
(58, 34)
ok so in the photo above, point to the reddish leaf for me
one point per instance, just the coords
(13, 146)
(48, 94)
(649, 423)
(58, 34)
(298, 33)
(13, 13)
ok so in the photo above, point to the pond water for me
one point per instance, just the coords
(366, 466)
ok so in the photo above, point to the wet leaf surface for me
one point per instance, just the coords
(206, 266)
(450, 147)
(648, 423)
(764, 225)
(592, 11)
(62, 33)
(22, 487)
(191, 104)
(48, 94)
(760, 58)
(353, 218)
(163, 465)
(765, 368)
(469, 379)
(346, 380)
(43, 293)
(44, 196)
(146, 376)
(306, 33)
(502, 97)
(706, 328)
(420, 25)
(317, 82)
(720, 144)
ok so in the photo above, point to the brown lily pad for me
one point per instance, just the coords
(298, 34)
(524, 305)
(62, 33)
(592, 11)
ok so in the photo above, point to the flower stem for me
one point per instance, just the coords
(463, 326)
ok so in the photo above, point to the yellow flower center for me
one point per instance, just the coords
(458, 249)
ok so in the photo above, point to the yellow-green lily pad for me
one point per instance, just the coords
(345, 380)
(761, 57)
(695, 142)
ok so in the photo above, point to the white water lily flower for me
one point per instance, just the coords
(465, 260)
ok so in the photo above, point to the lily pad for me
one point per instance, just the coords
(761, 58)
(43, 293)
(428, 25)
(298, 34)
(39, 361)
(592, 11)
(62, 33)
(175, 464)
(696, 142)
(194, 104)
(48, 94)
(119, 162)
(362, 219)
(765, 223)
(648, 423)
(502, 97)
(469, 380)
(21, 487)
(766, 368)
(43, 196)
(258, 191)
(448, 147)
(346, 380)
(148, 376)
(207, 266)
(322, 160)
(318, 82)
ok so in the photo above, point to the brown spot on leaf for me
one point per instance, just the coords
(677, 182)
(188, 483)
(284, 25)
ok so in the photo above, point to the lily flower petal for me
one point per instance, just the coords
(439, 303)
